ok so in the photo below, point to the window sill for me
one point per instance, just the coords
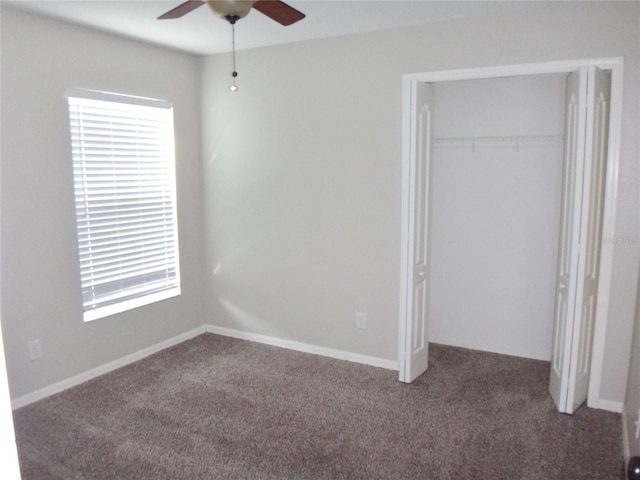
(95, 314)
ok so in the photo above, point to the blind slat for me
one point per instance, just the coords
(89, 253)
(125, 272)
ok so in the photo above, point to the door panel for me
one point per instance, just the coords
(580, 235)
(416, 361)
(576, 101)
(597, 127)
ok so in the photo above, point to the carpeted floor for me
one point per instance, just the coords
(220, 408)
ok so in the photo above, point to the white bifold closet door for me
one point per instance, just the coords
(417, 356)
(587, 120)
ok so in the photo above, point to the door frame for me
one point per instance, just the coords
(613, 64)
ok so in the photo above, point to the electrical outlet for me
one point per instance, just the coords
(361, 320)
(35, 349)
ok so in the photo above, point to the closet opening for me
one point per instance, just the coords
(492, 207)
(496, 184)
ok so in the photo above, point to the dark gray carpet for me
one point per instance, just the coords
(220, 408)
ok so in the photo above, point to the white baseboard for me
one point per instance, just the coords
(228, 332)
(102, 369)
(39, 394)
(305, 347)
(609, 405)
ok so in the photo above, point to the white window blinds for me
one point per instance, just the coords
(124, 180)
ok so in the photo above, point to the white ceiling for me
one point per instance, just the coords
(200, 32)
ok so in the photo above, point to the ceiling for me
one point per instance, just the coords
(200, 32)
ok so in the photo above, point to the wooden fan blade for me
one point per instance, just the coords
(182, 9)
(279, 11)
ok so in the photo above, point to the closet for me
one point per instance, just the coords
(495, 214)
(506, 199)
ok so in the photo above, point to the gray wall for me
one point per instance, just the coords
(302, 181)
(40, 273)
(632, 399)
(303, 172)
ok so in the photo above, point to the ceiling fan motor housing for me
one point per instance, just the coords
(236, 9)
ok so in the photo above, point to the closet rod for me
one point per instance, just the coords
(514, 141)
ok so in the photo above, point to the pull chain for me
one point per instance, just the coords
(234, 73)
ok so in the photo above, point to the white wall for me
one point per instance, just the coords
(40, 281)
(302, 169)
(495, 214)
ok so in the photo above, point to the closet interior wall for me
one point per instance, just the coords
(496, 185)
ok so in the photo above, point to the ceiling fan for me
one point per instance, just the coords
(234, 10)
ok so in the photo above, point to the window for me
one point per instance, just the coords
(124, 182)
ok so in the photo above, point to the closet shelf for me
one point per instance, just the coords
(515, 141)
